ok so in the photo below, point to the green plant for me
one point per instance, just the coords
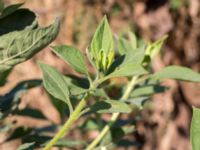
(195, 132)
(88, 94)
(132, 61)
(20, 39)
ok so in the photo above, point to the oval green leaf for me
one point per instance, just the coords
(147, 90)
(124, 46)
(128, 70)
(18, 46)
(110, 106)
(102, 45)
(73, 56)
(178, 73)
(55, 83)
(154, 48)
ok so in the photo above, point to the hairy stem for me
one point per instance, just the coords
(65, 129)
(114, 116)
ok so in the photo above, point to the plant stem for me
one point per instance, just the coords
(71, 109)
(65, 129)
(114, 116)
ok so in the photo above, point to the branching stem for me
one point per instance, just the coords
(114, 116)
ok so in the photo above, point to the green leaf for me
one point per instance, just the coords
(1, 5)
(154, 48)
(27, 146)
(10, 9)
(55, 83)
(147, 90)
(127, 46)
(139, 102)
(114, 135)
(178, 73)
(70, 143)
(21, 19)
(89, 124)
(102, 46)
(195, 130)
(128, 69)
(102, 39)
(99, 92)
(126, 64)
(18, 46)
(74, 89)
(110, 106)
(38, 136)
(60, 86)
(133, 40)
(124, 46)
(60, 107)
(73, 56)
(136, 56)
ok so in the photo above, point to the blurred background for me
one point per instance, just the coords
(167, 127)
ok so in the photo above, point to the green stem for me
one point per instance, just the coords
(65, 129)
(114, 116)
(71, 109)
